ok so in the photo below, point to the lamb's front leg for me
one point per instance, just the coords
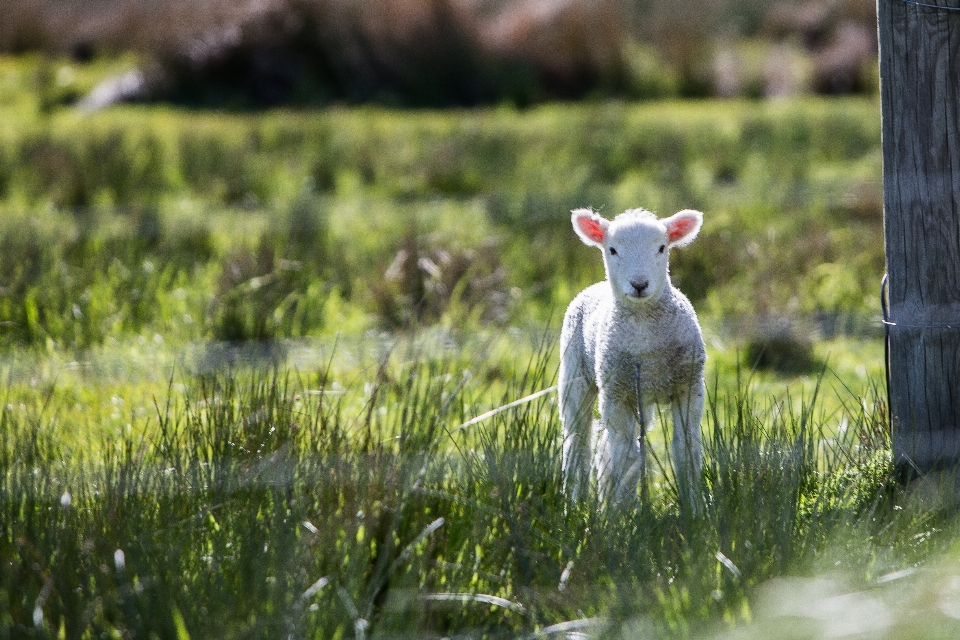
(577, 399)
(687, 446)
(619, 459)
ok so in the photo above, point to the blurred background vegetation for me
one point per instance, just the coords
(198, 225)
(457, 52)
(235, 209)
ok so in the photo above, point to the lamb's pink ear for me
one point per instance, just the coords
(683, 227)
(591, 228)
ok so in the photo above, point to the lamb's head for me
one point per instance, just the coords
(636, 247)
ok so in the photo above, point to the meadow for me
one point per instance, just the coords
(287, 374)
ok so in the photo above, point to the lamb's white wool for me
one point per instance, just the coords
(632, 341)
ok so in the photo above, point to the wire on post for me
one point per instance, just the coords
(928, 5)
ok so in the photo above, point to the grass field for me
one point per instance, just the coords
(242, 357)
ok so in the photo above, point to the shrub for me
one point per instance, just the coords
(424, 285)
(782, 347)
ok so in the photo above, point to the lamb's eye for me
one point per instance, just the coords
(662, 247)
(613, 251)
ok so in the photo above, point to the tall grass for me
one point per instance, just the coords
(257, 502)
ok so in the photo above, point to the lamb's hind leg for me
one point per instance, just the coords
(577, 398)
(687, 446)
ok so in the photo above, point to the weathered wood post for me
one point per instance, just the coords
(920, 103)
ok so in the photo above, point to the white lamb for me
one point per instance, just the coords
(634, 341)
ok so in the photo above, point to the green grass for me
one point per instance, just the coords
(238, 352)
(259, 502)
(285, 224)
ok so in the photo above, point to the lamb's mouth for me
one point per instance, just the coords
(639, 289)
(637, 298)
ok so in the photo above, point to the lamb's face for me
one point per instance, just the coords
(636, 248)
(636, 254)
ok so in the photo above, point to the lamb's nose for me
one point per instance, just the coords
(640, 287)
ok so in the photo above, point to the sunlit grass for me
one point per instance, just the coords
(307, 212)
(259, 499)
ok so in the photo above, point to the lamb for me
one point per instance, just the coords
(632, 341)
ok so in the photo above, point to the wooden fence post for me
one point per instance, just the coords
(920, 107)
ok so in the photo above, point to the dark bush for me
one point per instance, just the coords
(440, 52)
(782, 348)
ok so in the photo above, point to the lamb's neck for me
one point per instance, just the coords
(646, 310)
